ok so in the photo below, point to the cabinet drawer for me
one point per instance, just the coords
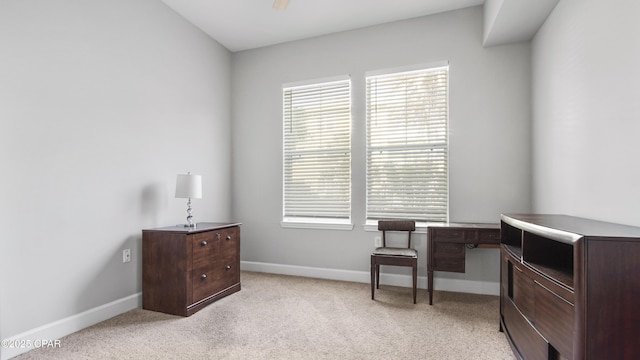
(531, 345)
(229, 242)
(554, 319)
(214, 244)
(211, 279)
(204, 247)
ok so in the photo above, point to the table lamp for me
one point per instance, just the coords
(189, 186)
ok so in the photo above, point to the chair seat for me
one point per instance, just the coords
(392, 251)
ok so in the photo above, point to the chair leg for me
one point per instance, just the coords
(377, 276)
(373, 273)
(415, 281)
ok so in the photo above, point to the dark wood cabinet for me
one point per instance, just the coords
(447, 243)
(184, 269)
(570, 287)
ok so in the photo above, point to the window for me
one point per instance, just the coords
(317, 153)
(407, 169)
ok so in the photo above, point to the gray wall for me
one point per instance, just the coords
(102, 103)
(489, 136)
(586, 113)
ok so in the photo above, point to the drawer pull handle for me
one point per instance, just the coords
(203, 243)
(228, 267)
(228, 237)
(203, 276)
(218, 236)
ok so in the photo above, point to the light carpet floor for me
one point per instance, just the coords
(285, 317)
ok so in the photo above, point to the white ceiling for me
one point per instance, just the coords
(247, 24)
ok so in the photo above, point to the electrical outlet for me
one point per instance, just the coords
(126, 255)
(377, 241)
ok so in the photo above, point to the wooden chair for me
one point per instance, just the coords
(394, 255)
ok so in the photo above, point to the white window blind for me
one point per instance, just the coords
(407, 167)
(317, 152)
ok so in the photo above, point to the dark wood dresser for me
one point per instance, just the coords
(185, 269)
(570, 288)
(447, 246)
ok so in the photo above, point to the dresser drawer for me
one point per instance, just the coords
(554, 319)
(504, 273)
(523, 291)
(531, 345)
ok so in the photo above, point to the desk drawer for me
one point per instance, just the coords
(448, 249)
(468, 236)
(447, 234)
(448, 264)
(448, 256)
(489, 236)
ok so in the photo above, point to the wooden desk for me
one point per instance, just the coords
(446, 246)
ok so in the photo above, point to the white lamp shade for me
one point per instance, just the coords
(189, 186)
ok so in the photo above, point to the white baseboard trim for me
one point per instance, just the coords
(455, 285)
(39, 336)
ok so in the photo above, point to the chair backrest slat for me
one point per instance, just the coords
(396, 225)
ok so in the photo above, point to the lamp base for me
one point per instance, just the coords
(190, 223)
